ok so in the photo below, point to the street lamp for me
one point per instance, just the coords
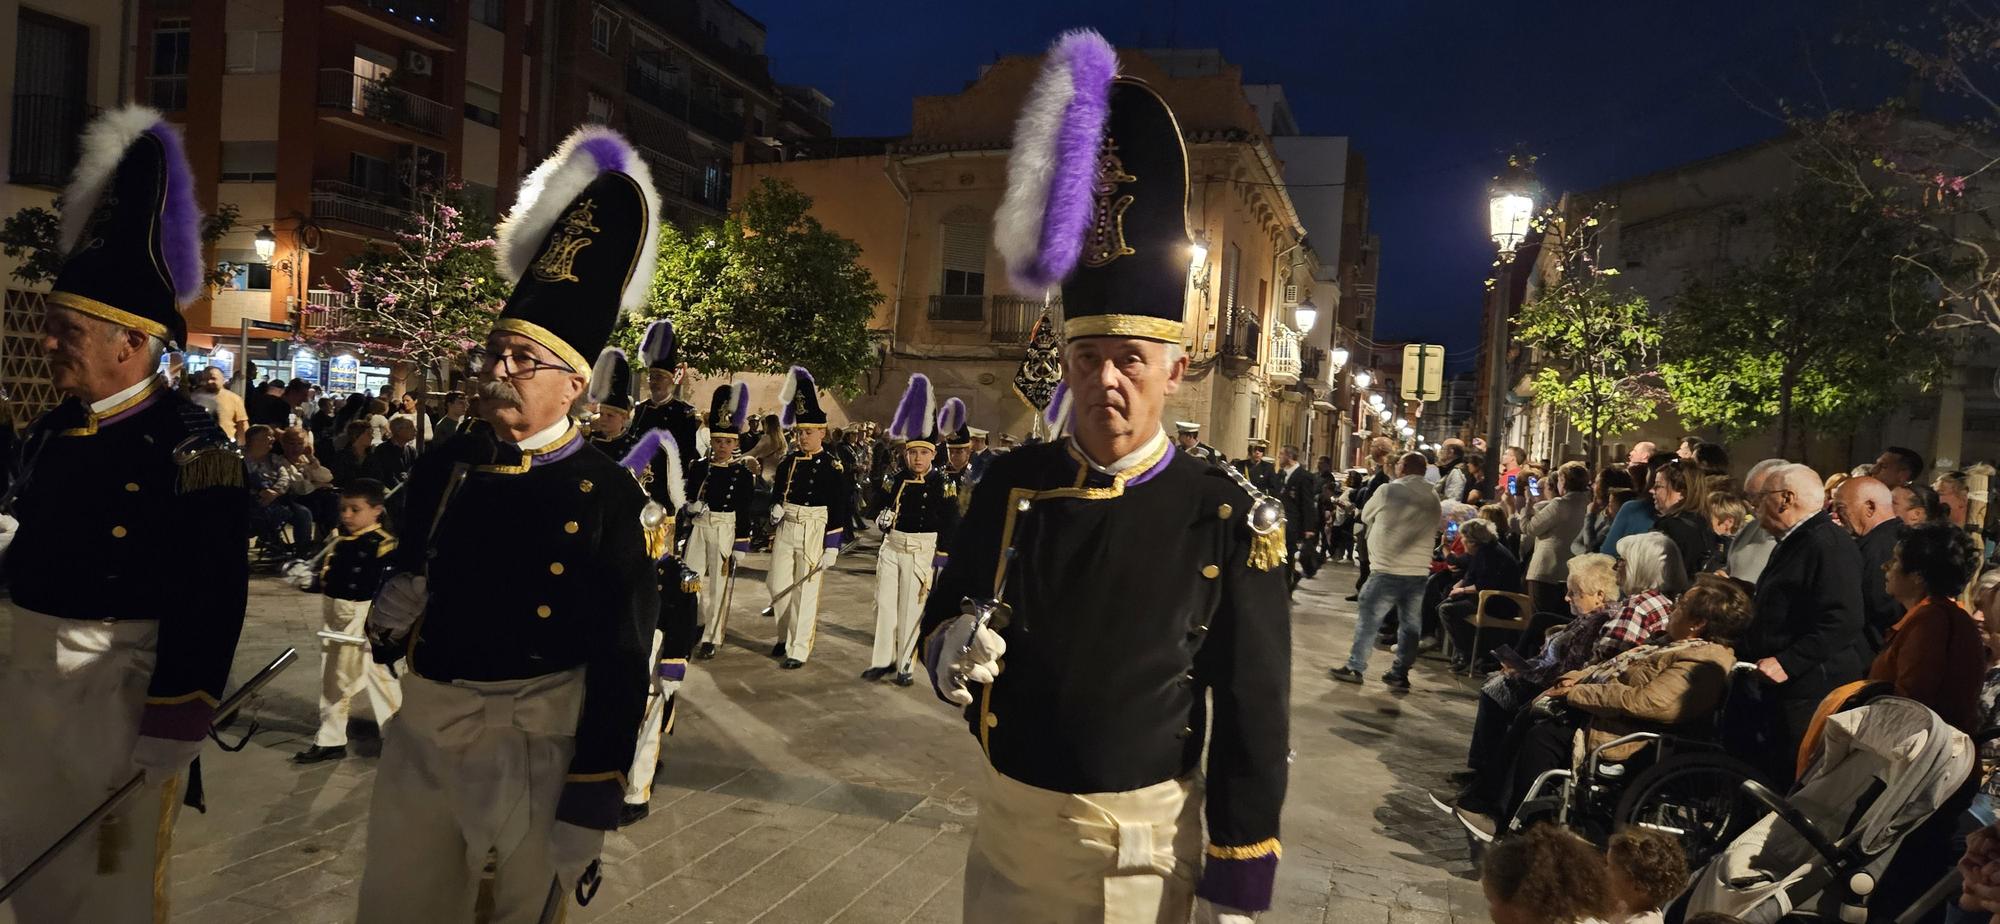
(1306, 314)
(1339, 357)
(1361, 379)
(1375, 401)
(1384, 415)
(267, 243)
(1510, 205)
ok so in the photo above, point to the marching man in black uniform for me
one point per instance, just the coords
(1262, 472)
(611, 429)
(811, 494)
(1187, 435)
(1105, 587)
(919, 510)
(527, 593)
(957, 450)
(720, 488)
(124, 491)
(663, 408)
(656, 462)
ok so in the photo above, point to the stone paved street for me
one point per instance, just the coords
(794, 796)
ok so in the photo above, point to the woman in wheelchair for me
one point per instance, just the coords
(1677, 683)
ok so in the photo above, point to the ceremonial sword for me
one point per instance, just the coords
(223, 712)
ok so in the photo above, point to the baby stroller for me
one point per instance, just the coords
(1881, 770)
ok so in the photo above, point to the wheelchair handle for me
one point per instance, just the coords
(1792, 816)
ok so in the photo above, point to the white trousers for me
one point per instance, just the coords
(72, 692)
(653, 731)
(902, 580)
(468, 769)
(345, 670)
(708, 549)
(1117, 858)
(798, 546)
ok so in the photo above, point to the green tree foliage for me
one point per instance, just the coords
(30, 235)
(767, 288)
(433, 293)
(1823, 332)
(1599, 344)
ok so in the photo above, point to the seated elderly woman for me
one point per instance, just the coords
(1592, 587)
(1651, 575)
(1676, 684)
(1935, 653)
(1489, 565)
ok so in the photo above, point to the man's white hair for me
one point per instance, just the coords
(1174, 353)
(1808, 491)
(1757, 472)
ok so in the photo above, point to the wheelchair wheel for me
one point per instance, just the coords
(1696, 797)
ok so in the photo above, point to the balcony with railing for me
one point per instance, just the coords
(429, 14)
(1285, 362)
(322, 311)
(1009, 319)
(338, 201)
(651, 86)
(351, 93)
(43, 147)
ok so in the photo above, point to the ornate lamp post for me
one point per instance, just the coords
(1510, 205)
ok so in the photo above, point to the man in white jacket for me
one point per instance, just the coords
(1402, 520)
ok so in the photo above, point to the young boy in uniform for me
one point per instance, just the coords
(349, 575)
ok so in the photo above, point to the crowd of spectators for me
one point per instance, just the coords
(1656, 590)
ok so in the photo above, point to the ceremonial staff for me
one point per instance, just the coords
(223, 713)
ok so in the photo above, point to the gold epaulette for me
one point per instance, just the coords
(208, 467)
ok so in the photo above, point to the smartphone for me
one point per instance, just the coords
(1511, 658)
(1511, 487)
(1451, 531)
(1534, 486)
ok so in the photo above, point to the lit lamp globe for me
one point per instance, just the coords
(1340, 356)
(1510, 206)
(1306, 314)
(266, 243)
(1375, 401)
(1361, 379)
(1198, 250)
(1384, 415)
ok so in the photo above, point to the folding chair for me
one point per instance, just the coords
(1524, 609)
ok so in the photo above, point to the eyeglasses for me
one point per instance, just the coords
(516, 365)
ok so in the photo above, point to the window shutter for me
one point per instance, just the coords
(965, 248)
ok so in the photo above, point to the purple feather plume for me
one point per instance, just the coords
(739, 412)
(1058, 404)
(951, 417)
(180, 231)
(1046, 214)
(641, 455)
(910, 420)
(608, 150)
(657, 346)
(795, 379)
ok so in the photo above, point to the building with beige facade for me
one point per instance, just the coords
(921, 209)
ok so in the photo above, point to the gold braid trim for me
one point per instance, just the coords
(660, 538)
(1265, 848)
(209, 468)
(1267, 550)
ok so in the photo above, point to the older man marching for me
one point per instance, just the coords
(527, 595)
(126, 490)
(1126, 584)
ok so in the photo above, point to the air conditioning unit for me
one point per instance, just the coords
(1291, 293)
(417, 63)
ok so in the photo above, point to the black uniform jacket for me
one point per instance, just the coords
(817, 480)
(120, 510)
(1134, 597)
(923, 505)
(538, 564)
(724, 488)
(675, 416)
(354, 567)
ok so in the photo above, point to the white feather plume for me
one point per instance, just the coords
(601, 373)
(676, 484)
(103, 146)
(1017, 224)
(547, 192)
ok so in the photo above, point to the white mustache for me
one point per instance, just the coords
(503, 392)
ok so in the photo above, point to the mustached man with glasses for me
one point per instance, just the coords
(526, 597)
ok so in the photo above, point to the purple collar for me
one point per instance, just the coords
(1156, 468)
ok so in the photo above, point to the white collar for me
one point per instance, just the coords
(547, 436)
(1795, 528)
(99, 407)
(1130, 459)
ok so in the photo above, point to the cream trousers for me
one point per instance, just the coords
(902, 581)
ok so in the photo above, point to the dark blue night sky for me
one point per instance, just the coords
(1434, 94)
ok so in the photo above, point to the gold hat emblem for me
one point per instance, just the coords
(557, 262)
(1107, 225)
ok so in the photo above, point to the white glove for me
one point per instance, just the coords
(827, 557)
(397, 605)
(777, 514)
(160, 758)
(979, 664)
(572, 848)
(1206, 912)
(669, 687)
(886, 520)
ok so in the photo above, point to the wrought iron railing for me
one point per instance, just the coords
(340, 89)
(322, 311)
(1014, 317)
(650, 85)
(43, 148)
(1284, 354)
(958, 308)
(350, 203)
